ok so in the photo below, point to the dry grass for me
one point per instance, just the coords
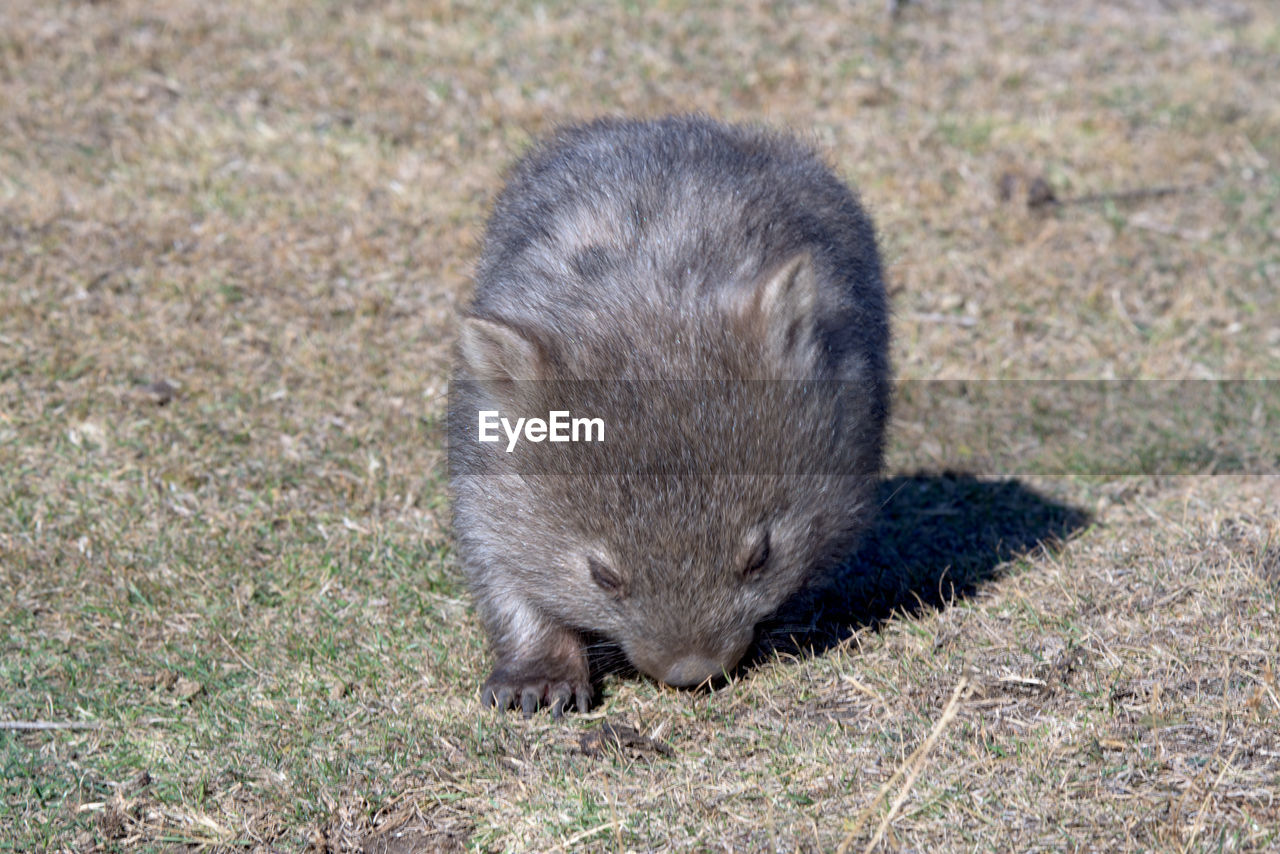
(233, 237)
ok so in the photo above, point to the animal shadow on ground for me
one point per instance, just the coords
(938, 539)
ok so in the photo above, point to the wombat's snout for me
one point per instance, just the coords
(692, 670)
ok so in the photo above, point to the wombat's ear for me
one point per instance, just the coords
(779, 312)
(493, 350)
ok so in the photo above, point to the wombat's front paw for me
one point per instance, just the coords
(537, 683)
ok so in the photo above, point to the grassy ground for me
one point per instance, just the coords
(233, 239)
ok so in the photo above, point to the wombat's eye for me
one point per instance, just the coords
(608, 580)
(757, 555)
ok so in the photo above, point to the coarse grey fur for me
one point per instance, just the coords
(673, 249)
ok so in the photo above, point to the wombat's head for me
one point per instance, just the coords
(734, 463)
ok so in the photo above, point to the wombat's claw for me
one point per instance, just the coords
(563, 694)
(556, 696)
(499, 697)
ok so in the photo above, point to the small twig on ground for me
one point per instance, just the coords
(33, 726)
(571, 841)
(1039, 193)
(1134, 195)
(911, 768)
(244, 661)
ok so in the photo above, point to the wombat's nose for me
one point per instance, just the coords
(692, 670)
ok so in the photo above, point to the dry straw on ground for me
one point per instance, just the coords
(233, 237)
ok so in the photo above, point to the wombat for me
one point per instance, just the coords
(698, 254)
